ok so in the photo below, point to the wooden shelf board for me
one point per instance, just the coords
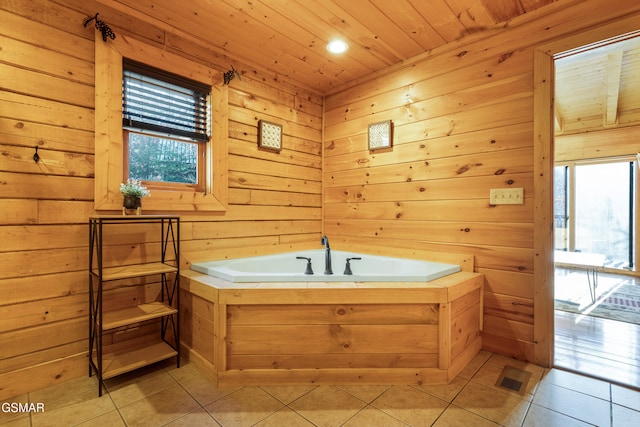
(133, 217)
(136, 270)
(140, 313)
(117, 362)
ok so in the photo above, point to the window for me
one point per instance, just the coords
(604, 211)
(166, 124)
(201, 182)
(594, 209)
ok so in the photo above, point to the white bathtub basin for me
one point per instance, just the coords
(286, 268)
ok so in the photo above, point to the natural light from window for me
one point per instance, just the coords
(602, 220)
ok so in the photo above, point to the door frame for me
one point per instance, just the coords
(543, 152)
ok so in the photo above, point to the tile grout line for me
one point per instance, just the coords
(200, 405)
(117, 409)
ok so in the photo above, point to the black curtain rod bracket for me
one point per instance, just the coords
(230, 74)
(100, 26)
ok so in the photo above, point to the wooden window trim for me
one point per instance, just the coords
(109, 149)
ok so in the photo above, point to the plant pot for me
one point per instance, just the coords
(132, 202)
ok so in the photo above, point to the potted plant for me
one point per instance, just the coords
(133, 192)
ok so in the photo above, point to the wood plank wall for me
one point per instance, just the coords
(464, 123)
(463, 119)
(47, 100)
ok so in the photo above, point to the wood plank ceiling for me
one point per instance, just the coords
(289, 37)
(598, 87)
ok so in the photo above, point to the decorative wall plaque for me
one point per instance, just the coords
(380, 135)
(269, 136)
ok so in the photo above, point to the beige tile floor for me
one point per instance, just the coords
(166, 396)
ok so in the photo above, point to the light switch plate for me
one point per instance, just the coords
(506, 196)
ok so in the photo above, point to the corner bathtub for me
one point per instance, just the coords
(287, 268)
(275, 327)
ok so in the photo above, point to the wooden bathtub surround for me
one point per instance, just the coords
(331, 333)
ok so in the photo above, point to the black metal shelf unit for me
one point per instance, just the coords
(111, 360)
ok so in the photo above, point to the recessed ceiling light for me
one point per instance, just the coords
(337, 46)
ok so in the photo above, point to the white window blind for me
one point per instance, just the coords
(160, 102)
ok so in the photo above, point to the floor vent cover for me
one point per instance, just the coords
(514, 379)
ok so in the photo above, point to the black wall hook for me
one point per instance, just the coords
(36, 157)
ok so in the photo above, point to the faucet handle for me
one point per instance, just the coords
(309, 270)
(347, 268)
